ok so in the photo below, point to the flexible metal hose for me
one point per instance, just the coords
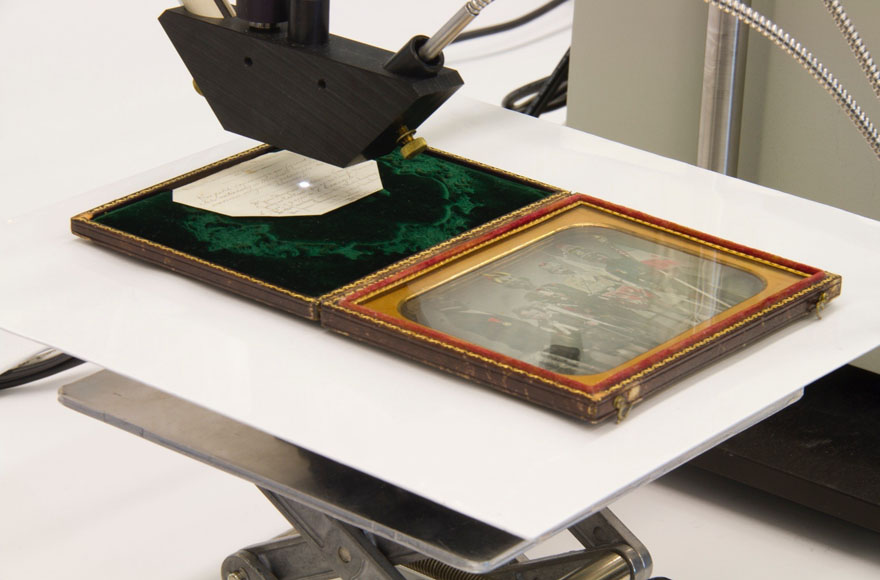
(476, 5)
(449, 31)
(817, 70)
(855, 43)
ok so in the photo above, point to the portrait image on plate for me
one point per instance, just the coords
(583, 300)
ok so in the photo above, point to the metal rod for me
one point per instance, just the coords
(206, 8)
(449, 31)
(611, 566)
(723, 85)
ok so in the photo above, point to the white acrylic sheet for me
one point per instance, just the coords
(507, 463)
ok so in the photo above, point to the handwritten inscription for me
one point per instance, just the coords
(281, 184)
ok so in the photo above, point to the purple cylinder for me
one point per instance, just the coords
(262, 13)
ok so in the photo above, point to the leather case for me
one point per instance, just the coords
(561, 299)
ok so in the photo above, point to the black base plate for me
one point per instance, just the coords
(822, 452)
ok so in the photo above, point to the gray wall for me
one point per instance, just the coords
(636, 77)
(636, 73)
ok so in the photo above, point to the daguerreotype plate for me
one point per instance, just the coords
(581, 306)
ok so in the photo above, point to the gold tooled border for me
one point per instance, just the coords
(568, 207)
(313, 302)
(827, 281)
(725, 249)
(87, 218)
(369, 279)
(205, 169)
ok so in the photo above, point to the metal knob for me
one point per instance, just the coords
(410, 146)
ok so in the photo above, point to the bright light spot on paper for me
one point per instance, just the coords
(281, 184)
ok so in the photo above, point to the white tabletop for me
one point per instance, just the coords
(517, 467)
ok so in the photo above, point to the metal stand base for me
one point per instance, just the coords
(347, 524)
(328, 548)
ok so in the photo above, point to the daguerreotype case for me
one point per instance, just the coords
(296, 263)
(563, 300)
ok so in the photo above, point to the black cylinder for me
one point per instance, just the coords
(309, 22)
(407, 61)
(262, 13)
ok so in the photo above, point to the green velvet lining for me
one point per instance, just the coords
(426, 200)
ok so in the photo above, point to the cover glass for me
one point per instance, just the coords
(582, 292)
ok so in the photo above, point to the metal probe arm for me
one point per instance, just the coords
(273, 72)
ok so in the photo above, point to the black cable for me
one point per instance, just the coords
(541, 96)
(550, 88)
(504, 26)
(519, 99)
(37, 370)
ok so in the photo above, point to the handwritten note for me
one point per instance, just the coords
(281, 184)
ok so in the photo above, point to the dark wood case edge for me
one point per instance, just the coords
(203, 272)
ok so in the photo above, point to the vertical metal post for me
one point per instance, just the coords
(723, 83)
